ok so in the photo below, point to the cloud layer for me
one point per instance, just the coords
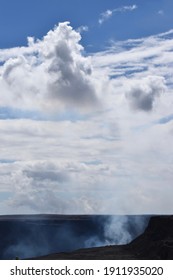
(86, 134)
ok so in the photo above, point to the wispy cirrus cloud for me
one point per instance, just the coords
(82, 28)
(109, 13)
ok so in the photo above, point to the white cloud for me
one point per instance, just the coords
(52, 186)
(113, 159)
(106, 15)
(82, 28)
(52, 72)
(109, 13)
(142, 93)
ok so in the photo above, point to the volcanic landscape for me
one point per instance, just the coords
(86, 237)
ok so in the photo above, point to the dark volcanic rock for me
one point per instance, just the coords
(157, 240)
(155, 243)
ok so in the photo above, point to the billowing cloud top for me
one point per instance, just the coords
(49, 72)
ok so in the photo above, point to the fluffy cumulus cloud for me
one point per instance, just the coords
(142, 94)
(83, 134)
(70, 73)
(53, 72)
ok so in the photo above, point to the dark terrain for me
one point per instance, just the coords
(155, 243)
(25, 236)
(76, 237)
(28, 236)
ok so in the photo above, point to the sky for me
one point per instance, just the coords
(86, 120)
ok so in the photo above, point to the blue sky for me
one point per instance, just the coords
(19, 19)
(86, 107)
